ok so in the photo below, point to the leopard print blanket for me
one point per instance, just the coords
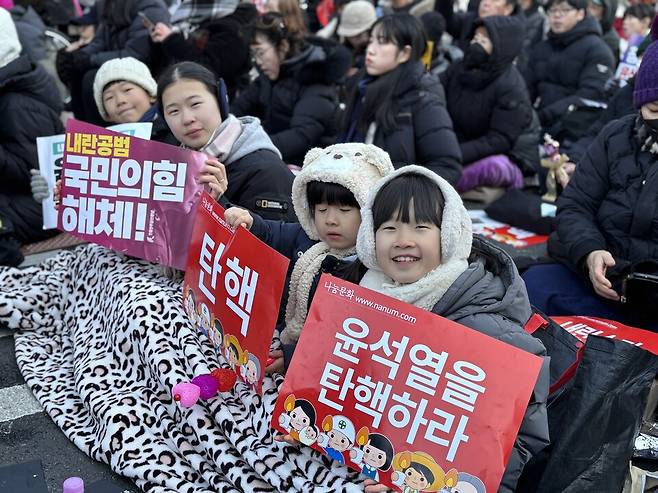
(101, 339)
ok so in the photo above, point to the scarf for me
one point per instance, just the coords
(424, 293)
(223, 138)
(301, 281)
(647, 136)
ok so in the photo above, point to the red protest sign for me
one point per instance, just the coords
(581, 327)
(232, 290)
(128, 194)
(407, 397)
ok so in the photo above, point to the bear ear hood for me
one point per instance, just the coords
(356, 167)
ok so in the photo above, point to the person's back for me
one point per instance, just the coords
(574, 63)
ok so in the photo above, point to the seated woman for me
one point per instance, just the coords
(607, 219)
(415, 244)
(296, 93)
(397, 106)
(254, 177)
(489, 104)
(121, 33)
(214, 38)
(30, 108)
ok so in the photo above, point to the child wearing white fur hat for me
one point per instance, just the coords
(327, 196)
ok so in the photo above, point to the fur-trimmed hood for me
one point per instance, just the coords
(357, 167)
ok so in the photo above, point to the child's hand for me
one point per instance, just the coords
(237, 216)
(275, 366)
(213, 173)
(374, 487)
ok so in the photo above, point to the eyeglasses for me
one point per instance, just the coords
(259, 54)
(559, 12)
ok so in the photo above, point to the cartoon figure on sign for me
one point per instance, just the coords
(299, 415)
(234, 352)
(309, 435)
(375, 453)
(415, 472)
(338, 437)
(218, 334)
(204, 319)
(189, 303)
(250, 371)
(467, 483)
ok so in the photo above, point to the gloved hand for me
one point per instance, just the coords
(39, 185)
(64, 66)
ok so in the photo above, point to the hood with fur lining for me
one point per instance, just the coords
(456, 227)
(357, 167)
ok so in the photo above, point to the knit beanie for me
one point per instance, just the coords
(646, 79)
(357, 17)
(357, 167)
(10, 46)
(127, 69)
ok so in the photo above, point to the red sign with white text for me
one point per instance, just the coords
(232, 290)
(408, 398)
(581, 327)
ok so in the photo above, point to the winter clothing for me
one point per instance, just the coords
(646, 79)
(357, 17)
(611, 201)
(220, 43)
(567, 67)
(30, 109)
(423, 133)
(299, 108)
(492, 171)
(494, 91)
(619, 106)
(122, 69)
(477, 285)
(125, 41)
(31, 33)
(196, 12)
(536, 26)
(257, 178)
(609, 33)
(416, 8)
(357, 167)
(10, 46)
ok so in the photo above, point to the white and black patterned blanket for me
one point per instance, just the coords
(102, 339)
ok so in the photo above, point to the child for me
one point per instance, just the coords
(327, 195)
(416, 241)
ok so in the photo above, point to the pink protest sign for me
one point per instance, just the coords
(131, 195)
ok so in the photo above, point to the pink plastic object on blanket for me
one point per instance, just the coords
(74, 485)
(208, 386)
(186, 393)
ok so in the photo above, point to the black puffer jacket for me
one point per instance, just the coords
(298, 110)
(423, 133)
(220, 44)
(611, 202)
(131, 40)
(30, 108)
(610, 36)
(567, 67)
(489, 105)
